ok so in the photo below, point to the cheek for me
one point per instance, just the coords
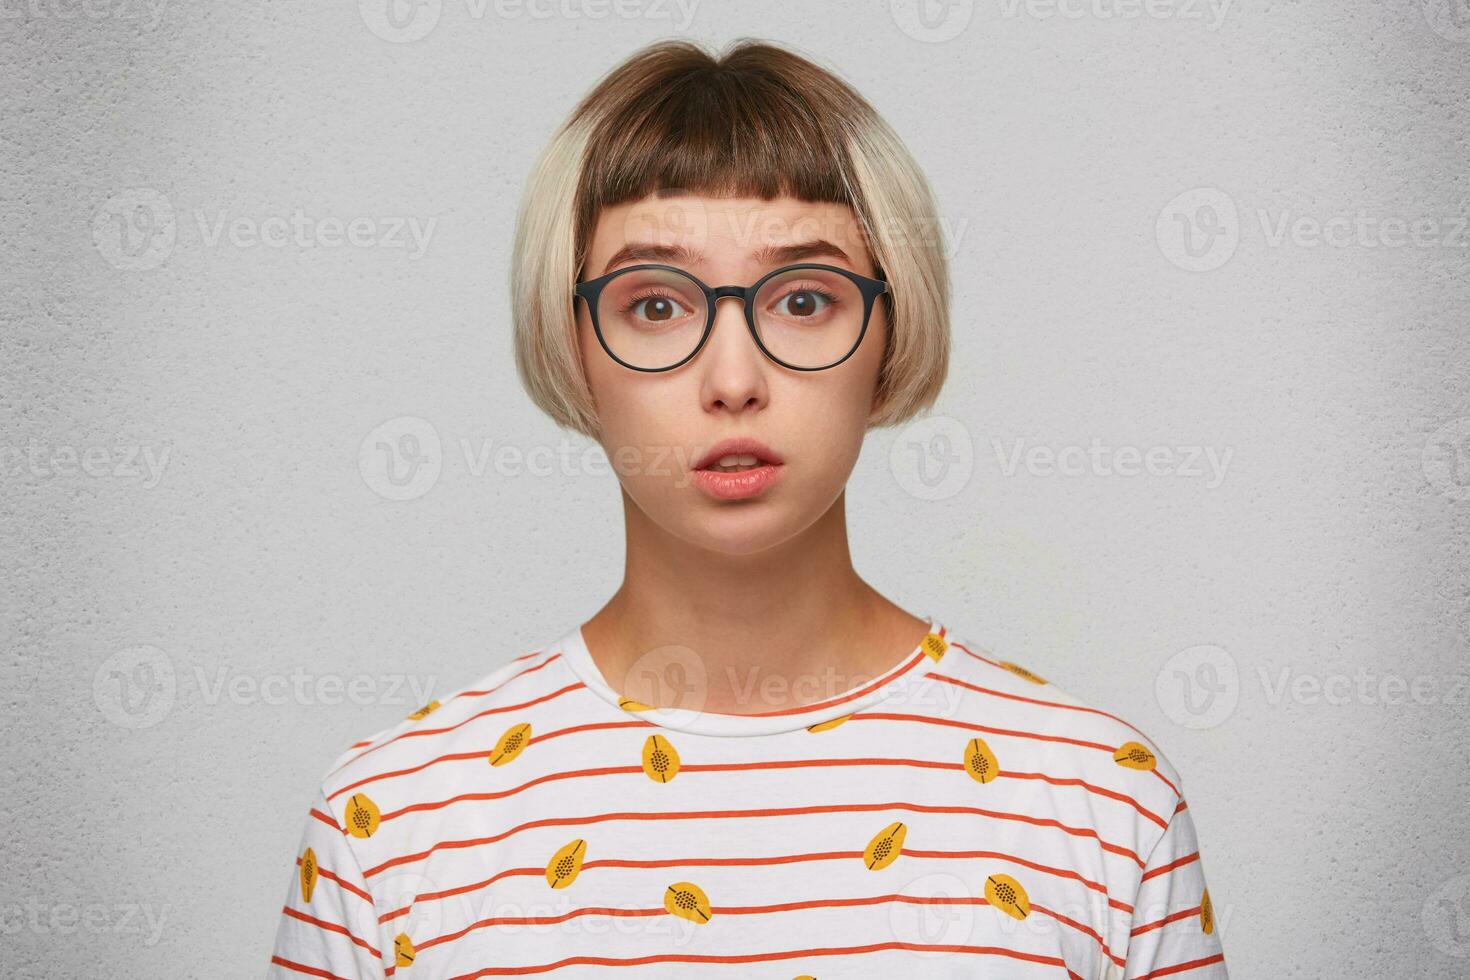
(634, 410)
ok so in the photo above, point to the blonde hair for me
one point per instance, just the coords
(756, 121)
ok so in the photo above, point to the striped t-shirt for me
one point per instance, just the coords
(957, 816)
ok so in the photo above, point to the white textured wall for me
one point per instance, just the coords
(1291, 626)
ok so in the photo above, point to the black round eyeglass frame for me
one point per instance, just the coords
(591, 290)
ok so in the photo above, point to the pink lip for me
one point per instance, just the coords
(746, 483)
(739, 446)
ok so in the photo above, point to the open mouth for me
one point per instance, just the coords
(737, 469)
(735, 463)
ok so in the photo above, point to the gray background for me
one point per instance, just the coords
(187, 648)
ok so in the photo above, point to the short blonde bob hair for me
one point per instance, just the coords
(756, 121)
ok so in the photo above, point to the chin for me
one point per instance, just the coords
(745, 528)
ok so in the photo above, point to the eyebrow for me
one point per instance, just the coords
(766, 255)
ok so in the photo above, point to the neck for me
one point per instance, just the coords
(776, 629)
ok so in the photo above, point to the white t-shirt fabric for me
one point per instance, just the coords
(957, 816)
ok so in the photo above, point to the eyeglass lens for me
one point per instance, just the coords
(653, 318)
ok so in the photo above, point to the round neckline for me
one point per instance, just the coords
(911, 669)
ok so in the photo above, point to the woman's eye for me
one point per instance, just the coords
(802, 303)
(656, 309)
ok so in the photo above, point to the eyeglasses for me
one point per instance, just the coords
(807, 317)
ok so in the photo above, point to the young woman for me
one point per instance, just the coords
(747, 763)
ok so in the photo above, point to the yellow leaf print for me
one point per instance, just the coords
(403, 950)
(934, 646)
(1020, 671)
(628, 704)
(828, 725)
(1006, 894)
(511, 744)
(660, 760)
(688, 901)
(362, 816)
(1206, 914)
(308, 874)
(566, 864)
(980, 762)
(1134, 755)
(885, 847)
(424, 712)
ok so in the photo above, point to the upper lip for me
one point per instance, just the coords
(739, 446)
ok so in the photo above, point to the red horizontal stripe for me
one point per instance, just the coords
(1181, 967)
(753, 767)
(1166, 868)
(326, 926)
(971, 727)
(761, 957)
(763, 861)
(918, 658)
(485, 752)
(1166, 782)
(547, 920)
(1085, 930)
(1160, 923)
(1098, 790)
(341, 883)
(422, 732)
(310, 971)
(765, 812)
(1019, 697)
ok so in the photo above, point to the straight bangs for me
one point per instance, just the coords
(688, 124)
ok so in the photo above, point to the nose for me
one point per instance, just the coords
(734, 376)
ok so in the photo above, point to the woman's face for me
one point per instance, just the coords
(657, 426)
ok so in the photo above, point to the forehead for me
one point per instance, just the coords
(724, 231)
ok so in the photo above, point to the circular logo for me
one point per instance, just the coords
(401, 459)
(674, 676)
(135, 229)
(1450, 19)
(135, 688)
(1447, 459)
(1199, 686)
(430, 917)
(670, 217)
(400, 21)
(1199, 230)
(935, 910)
(932, 458)
(1447, 917)
(932, 22)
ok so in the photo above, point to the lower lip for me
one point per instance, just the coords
(737, 486)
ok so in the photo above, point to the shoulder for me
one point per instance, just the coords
(459, 724)
(1038, 732)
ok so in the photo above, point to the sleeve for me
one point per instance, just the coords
(329, 925)
(1175, 931)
